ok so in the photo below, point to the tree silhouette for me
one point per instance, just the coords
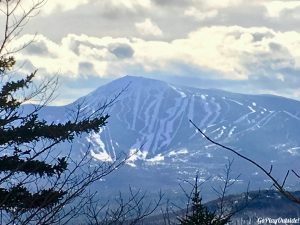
(198, 214)
(25, 144)
(37, 184)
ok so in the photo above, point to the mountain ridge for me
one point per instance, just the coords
(151, 118)
(126, 80)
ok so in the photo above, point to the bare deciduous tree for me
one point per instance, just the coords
(130, 210)
(16, 14)
(219, 211)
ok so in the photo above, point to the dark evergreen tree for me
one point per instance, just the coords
(37, 185)
(24, 138)
(198, 214)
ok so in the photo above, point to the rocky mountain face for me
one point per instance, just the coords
(151, 119)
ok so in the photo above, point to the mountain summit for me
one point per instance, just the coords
(151, 118)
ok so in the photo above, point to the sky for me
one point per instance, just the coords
(246, 46)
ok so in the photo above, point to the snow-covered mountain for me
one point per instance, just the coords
(152, 118)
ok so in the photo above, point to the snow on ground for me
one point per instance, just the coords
(237, 102)
(101, 156)
(294, 151)
(134, 155)
(180, 152)
(156, 158)
(182, 94)
(98, 150)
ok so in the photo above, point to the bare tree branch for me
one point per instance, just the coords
(276, 184)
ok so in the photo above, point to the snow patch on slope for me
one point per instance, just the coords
(292, 115)
(177, 153)
(182, 94)
(235, 101)
(98, 150)
(294, 151)
(134, 155)
(156, 158)
(101, 156)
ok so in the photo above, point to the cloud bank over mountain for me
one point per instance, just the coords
(249, 46)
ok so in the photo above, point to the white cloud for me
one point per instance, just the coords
(49, 7)
(148, 28)
(233, 52)
(59, 59)
(202, 10)
(117, 18)
(227, 46)
(75, 54)
(200, 15)
(275, 8)
(217, 4)
(129, 4)
(53, 5)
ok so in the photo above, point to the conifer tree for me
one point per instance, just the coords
(198, 214)
(37, 185)
(20, 137)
